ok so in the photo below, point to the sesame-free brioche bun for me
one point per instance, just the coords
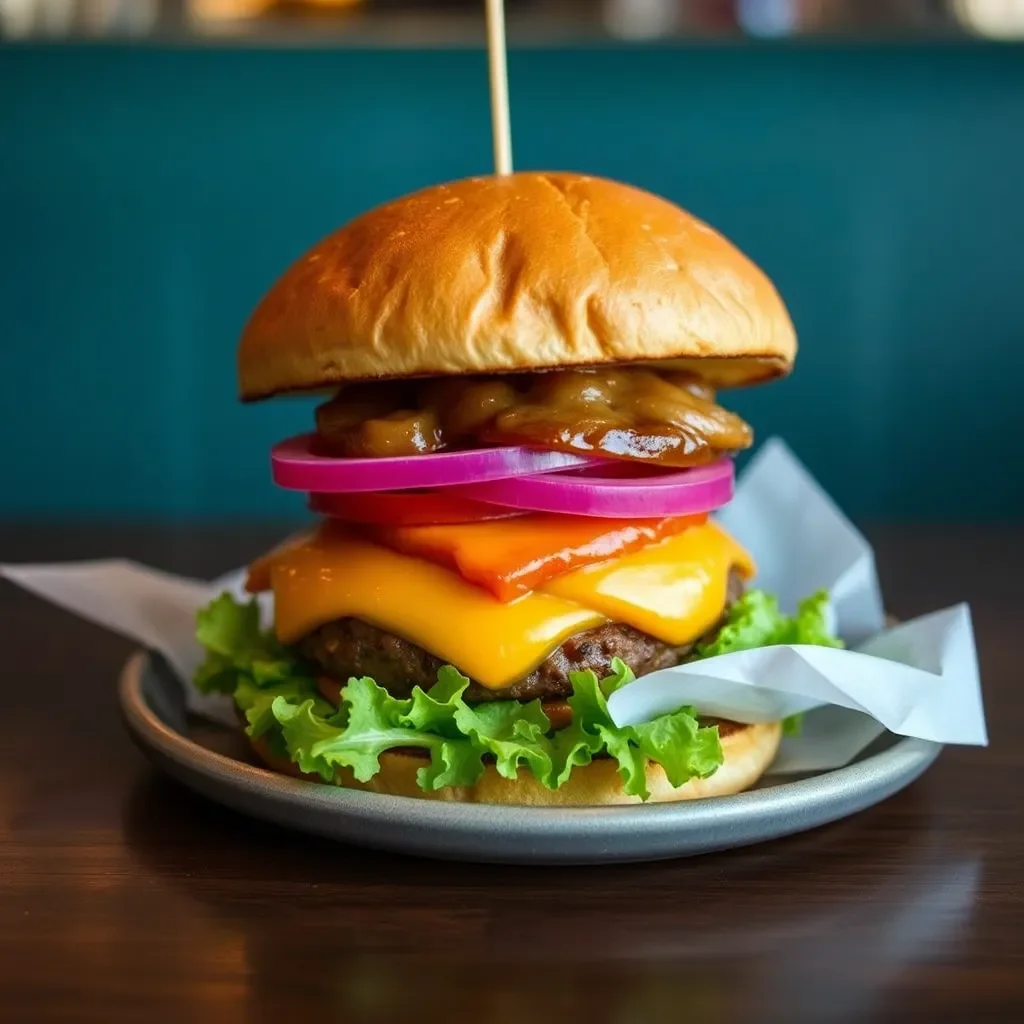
(505, 274)
(748, 750)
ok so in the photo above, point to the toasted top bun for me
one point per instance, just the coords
(748, 750)
(506, 274)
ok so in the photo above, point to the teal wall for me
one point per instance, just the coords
(148, 197)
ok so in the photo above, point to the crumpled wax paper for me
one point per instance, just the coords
(919, 678)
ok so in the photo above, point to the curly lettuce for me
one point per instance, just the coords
(277, 695)
(756, 621)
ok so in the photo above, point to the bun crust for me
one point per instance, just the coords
(748, 752)
(526, 272)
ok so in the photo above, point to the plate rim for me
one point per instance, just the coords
(782, 807)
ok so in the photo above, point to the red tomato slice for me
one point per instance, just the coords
(510, 559)
(407, 508)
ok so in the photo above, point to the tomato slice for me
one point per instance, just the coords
(510, 559)
(407, 508)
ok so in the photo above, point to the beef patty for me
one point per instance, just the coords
(351, 647)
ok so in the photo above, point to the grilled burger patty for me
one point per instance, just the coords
(351, 647)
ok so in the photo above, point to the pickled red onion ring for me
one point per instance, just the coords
(297, 467)
(606, 492)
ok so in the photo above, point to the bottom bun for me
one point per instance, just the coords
(747, 749)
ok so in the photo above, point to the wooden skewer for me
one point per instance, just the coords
(500, 123)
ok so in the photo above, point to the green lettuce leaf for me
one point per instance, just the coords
(792, 724)
(682, 747)
(236, 646)
(756, 621)
(250, 664)
(227, 628)
(437, 721)
(676, 741)
(256, 702)
(371, 722)
(514, 734)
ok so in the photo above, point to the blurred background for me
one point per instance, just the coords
(162, 161)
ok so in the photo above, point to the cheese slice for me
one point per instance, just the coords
(673, 590)
(332, 575)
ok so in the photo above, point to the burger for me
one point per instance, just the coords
(513, 471)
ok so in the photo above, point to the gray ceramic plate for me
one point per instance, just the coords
(214, 762)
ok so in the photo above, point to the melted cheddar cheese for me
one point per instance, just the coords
(674, 590)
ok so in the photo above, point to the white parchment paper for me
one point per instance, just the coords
(919, 678)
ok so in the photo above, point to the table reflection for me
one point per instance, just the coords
(383, 937)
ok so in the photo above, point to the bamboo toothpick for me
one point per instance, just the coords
(500, 123)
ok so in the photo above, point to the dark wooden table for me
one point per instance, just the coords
(125, 898)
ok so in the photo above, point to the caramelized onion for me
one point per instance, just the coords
(631, 413)
(476, 407)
